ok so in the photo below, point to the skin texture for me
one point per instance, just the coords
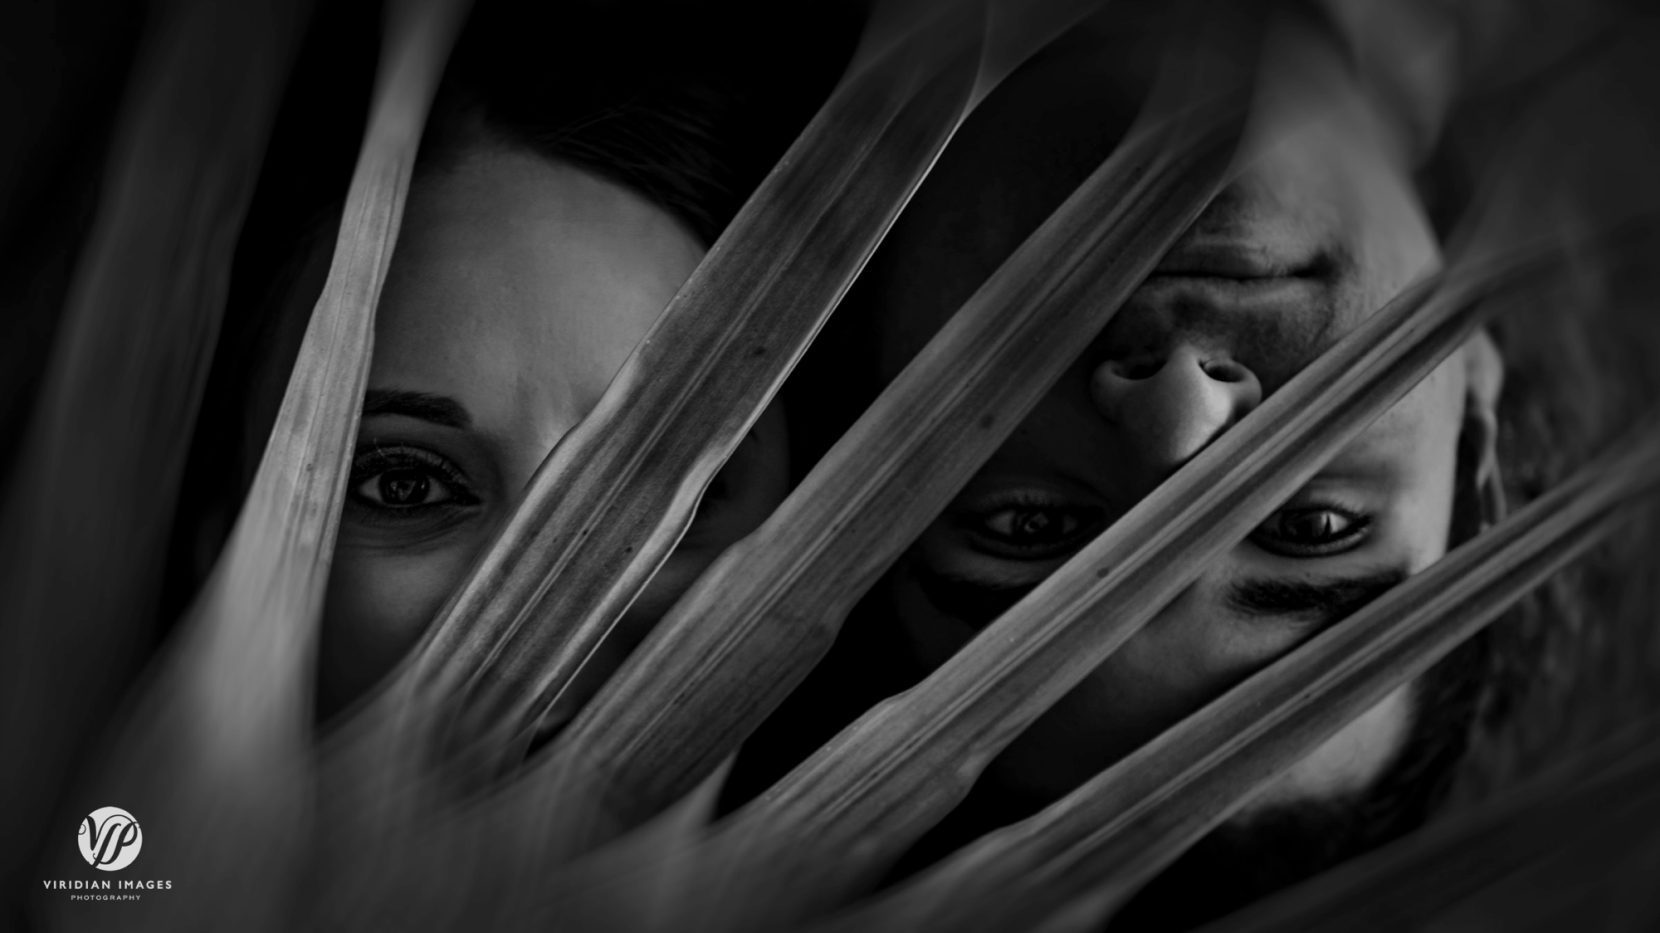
(1320, 228)
(519, 287)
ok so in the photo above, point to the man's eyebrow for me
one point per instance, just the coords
(1320, 602)
(438, 409)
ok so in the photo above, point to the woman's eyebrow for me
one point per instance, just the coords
(438, 409)
(1321, 602)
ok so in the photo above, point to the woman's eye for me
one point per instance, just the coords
(1033, 532)
(407, 480)
(1315, 531)
(404, 488)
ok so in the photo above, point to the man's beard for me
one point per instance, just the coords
(1263, 851)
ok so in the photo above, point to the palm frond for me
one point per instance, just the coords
(422, 810)
(1569, 837)
(615, 495)
(1087, 853)
(89, 505)
(888, 777)
(218, 746)
(759, 619)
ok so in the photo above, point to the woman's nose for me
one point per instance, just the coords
(1167, 408)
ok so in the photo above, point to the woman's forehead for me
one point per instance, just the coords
(520, 286)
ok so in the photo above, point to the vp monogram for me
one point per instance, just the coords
(110, 838)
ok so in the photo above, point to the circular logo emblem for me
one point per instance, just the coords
(110, 838)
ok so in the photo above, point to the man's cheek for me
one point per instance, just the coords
(1207, 647)
(1175, 665)
(1187, 656)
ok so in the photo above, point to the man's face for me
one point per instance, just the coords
(1320, 229)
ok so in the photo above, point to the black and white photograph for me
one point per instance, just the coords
(840, 466)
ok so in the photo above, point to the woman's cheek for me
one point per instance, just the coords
(378, 603)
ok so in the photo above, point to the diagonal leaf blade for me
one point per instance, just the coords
(1086, 854)
(767, 611)
(218, 748)
(88, 509)
(1604, 796)
(766, 286)
(892, 774)
(617, 492)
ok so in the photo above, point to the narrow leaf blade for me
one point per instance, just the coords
(1090, 851)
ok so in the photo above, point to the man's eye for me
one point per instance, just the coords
(406, 480)
(1316, 531)
(1031, 532)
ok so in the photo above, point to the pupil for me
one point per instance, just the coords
(1313, 525)
(1033, 524)
(403, 487)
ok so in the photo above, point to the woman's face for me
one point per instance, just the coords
(519, 287)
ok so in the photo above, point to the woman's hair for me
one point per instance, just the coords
(568, 83)
(665, 100)
(620, 101)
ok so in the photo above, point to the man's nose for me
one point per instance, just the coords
(1168, 407)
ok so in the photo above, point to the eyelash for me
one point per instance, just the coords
(1359, 526)
(374, 462)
